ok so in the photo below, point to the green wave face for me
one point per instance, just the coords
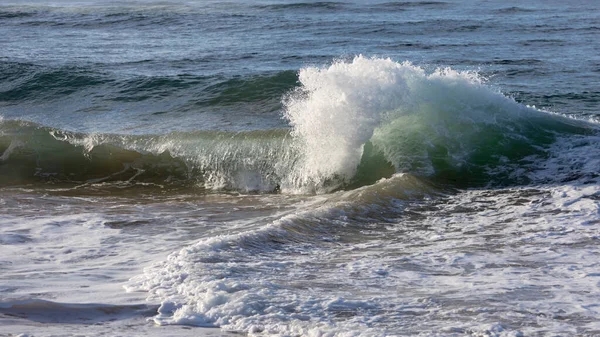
(247, 161)
(352, 124)
(33, 153)
(467, 138)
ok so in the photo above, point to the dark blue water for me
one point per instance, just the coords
(129, 67)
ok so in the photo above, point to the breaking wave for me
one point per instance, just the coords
(351, 124)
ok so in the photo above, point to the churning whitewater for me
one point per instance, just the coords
(330, 169)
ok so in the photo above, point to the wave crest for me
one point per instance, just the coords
(352, 123)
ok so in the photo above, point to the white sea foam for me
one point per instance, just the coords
(59, 244)
(338, 108)
(476, 264)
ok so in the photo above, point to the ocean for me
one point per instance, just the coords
(299, 168)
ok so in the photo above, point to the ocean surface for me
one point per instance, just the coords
(299, 168)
